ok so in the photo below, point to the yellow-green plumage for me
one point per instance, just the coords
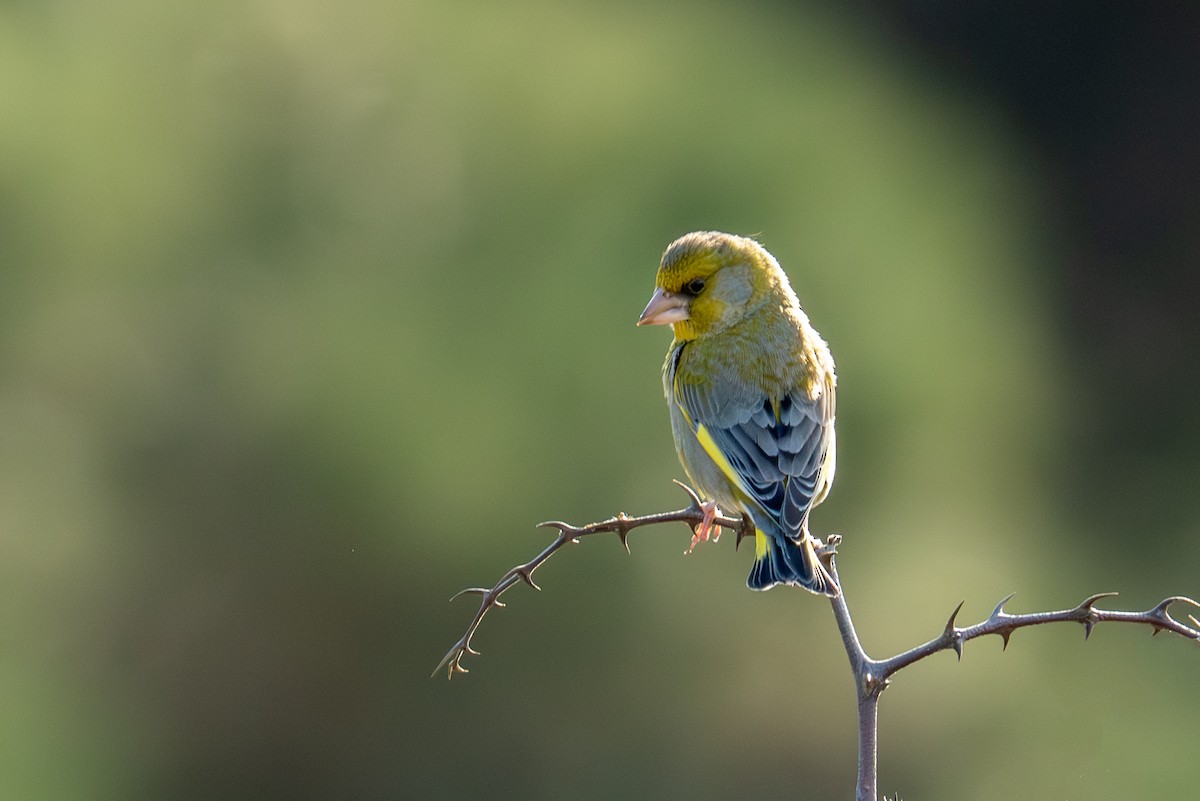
(750, 386)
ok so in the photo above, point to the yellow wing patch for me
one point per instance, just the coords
(710, 447)
(705, 438)
(762, 543)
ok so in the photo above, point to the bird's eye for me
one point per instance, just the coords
(694, 287)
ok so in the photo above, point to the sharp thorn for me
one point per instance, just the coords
(1005, 635)
(499, 604)
(471, 651)
(1088, 625)
(624, 535)
(958, 647)
(469, 591)
(1195, 622)
(953, 617)
(999, 610)
(696, 502)
(1156, 631)
(742, 532)
(1090, 601)
(443, 664)
(527, 577)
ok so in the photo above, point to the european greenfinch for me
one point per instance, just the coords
(750, 386)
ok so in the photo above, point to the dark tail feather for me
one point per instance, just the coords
(780, 560)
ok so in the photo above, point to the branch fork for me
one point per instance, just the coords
(871, 676)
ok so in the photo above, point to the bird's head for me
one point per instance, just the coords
(707, 281)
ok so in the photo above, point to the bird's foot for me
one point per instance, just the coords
(706, 528)
(829, 546)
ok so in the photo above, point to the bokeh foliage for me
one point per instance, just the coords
(310, 311)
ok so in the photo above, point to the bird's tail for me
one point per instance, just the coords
(781, 560)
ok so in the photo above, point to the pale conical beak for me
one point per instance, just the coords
(664, 307)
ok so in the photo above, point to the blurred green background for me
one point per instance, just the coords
(310, 311)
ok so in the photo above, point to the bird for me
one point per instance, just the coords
(750, 385)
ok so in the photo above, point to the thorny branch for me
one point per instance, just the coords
(1000, 622)
(1004, 624)
(871, 676)
(621, 525)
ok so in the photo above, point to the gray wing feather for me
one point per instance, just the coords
(777, 457)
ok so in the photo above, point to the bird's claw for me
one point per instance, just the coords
(829, 546)
(706, 528)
